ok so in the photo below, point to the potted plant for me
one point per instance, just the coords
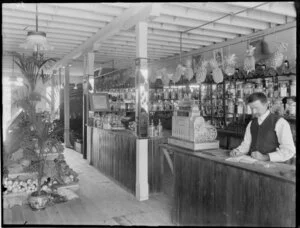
(42, 135)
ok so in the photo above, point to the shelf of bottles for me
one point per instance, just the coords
(121, 100)
(280, 91)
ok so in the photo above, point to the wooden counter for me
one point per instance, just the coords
(211, 191)
(114, 154)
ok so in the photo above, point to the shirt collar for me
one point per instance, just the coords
(264, 116)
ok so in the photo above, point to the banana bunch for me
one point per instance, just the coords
(230, 63)
(188, 73)
(179, 71)
(201, 71)
(216, 71)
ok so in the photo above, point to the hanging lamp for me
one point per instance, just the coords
(36, 39)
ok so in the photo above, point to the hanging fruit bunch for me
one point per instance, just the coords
(276, 58)
(249, 61)
(230, 63)
(216, 71)
(202, 71)
(164, 76)
(179, 71)
(152, 75)
(188, 73)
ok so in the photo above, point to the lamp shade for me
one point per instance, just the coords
(36, 41)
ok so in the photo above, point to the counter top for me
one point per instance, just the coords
(280, 171)
(165, 133)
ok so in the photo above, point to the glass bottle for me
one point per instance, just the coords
(179, 94)
(270, 90)
(293, 88)
(173, 94)
(166, 94)
(232, 90)
(240, 107)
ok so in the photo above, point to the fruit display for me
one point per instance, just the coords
(249, 61)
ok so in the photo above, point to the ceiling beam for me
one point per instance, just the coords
(202, 15)
(193, 23)
(281, 8)
(59, 13)
(176, 28)
(111, 29)
(226, 8)
(125, 42)
(58, 25)
(97, 8)
(19, 28)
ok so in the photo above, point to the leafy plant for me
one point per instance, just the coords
(41, 136)
(32, 68)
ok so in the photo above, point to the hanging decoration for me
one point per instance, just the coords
(188, 73)
(216, 71)
(275, 60)
(249, 61)
(202, 71)
(152, 75)
(36, 39)
(229, 64)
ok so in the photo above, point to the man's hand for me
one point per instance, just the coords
(235, 153)
(259, 156)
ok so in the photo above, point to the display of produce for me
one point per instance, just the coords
(229, 66)
(202, 72)
(216, 71)
(276, 58)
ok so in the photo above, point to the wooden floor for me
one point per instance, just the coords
(100, 202)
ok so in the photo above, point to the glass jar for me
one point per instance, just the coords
(248, 89)
(283, 90)
(230, 106)
(292, 109)
(293, 88)
(240, 106)
(240, 92)
(232, 90)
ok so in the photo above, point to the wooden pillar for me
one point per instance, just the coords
(60, 94)
(142, 115)
(85, 111)
(88, 73)
(67, 107)
(52, 94)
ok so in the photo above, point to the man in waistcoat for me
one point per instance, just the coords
(268, 137)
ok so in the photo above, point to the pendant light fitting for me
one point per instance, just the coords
(36, 39)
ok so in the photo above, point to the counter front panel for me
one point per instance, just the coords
(211, 191)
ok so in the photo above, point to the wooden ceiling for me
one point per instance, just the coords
(108, 28)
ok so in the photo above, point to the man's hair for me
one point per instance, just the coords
(257, 96)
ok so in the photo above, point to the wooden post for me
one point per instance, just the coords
(67, 107)
(52, 94)
(85, 111)
(142, 114)
(88, 72)
(60, 93)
